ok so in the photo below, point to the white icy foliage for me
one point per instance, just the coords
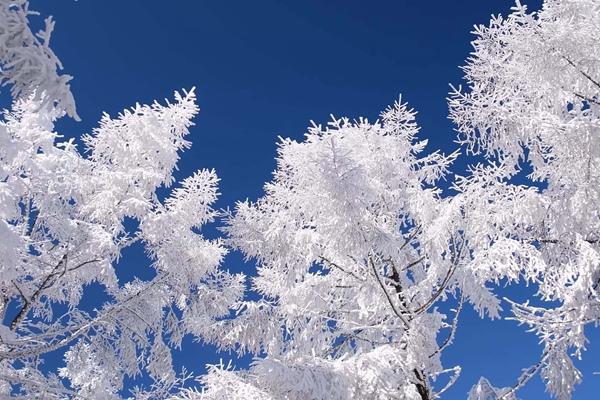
(67, 217)
(27, 62)
(483, 390)
(356, 247)
(63, 218)
(353, 253)
(534, 98)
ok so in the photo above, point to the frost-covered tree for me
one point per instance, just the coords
(533, 104)
(355, 249)
(65, 219)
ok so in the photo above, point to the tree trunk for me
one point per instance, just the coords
(421, 384)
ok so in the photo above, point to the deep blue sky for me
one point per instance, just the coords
(265, 68)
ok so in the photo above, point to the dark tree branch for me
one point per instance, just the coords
(28, 302)
(422, 385)
(387, 295)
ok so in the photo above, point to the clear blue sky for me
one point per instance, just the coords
(265, 68)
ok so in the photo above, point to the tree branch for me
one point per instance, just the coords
(28, 302)
(387, 295)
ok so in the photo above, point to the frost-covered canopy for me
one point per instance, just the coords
(28, 64)
(533, 102)
(354, 251)
(367, 247)
(65, 219)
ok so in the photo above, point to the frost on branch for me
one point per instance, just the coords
(533, 101)
(64, 222)
(355, 249)
(485, 391)
(28, 64)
